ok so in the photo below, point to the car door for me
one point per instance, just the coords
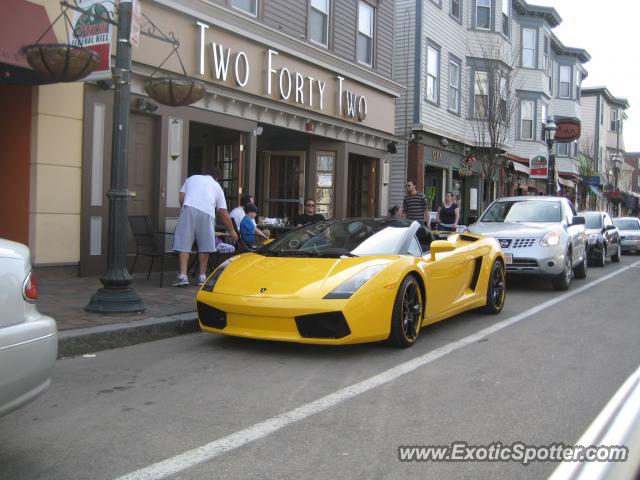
(611, 235)
(577, 237)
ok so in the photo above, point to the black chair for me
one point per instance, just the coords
(425, 237)
(149, 243)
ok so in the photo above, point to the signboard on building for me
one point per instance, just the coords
(94, 33)
(567, 130)
(538, 166)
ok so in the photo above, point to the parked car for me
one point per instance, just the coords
(28, 339)
(538, 235)
(603, 236)
(629, 228)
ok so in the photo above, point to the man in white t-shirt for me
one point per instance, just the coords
(237, 213)
(200, 196)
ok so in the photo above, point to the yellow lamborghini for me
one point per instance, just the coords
(352, 281)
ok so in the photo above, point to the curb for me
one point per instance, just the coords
(93, 339)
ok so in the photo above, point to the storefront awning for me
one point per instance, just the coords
(521, 168)
(566, 183)
(595, 190)
(22, 23)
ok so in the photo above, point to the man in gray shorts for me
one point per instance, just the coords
(200, 196)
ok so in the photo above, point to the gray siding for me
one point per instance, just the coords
(384, 40)
(344, 28)
(290, 17)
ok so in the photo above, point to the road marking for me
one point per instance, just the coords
(260, 430)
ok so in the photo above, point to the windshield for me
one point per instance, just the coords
(626, 224)
(523, 211)
(592, 220)
(335, 238)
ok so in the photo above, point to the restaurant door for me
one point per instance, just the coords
(362, 184)
(281, 184)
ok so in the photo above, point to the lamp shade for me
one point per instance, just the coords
(175, 92)
(55, 62)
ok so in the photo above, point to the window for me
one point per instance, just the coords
(483, 14)
(565, 81)
(249, 6)
(578, 84)
(529, 48)
(614, 120)
(551, 71)
(455, 9)
(562, 149)
(505, 17)
(433, 71)
(319, 22)
(325, 183)
(365, 33)
(601, 110)
(454, 86)
(526, 119)
(543, 117)
(504, 92)
(481, 94)
(545, 56)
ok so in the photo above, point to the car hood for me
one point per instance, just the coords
(509, 229)
(285, 277)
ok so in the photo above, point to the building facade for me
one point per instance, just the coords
(299, 103)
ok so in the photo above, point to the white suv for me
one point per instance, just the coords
(28, 339)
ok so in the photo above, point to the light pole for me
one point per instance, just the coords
(117, 295)
(549, 136)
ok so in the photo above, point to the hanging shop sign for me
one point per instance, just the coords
(90, 31)
(567, 130)
(281, 79)
(538, 166)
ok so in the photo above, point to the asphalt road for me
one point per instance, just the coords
(540, 378)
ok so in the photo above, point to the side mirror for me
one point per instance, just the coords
(577, 221)
(440, 246)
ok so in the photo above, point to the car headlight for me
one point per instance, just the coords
(213, 278)
(551, 239)
(351, 285)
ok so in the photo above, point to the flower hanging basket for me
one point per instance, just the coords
(61, 62)
(175, 92)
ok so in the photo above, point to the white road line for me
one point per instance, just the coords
(260, 430)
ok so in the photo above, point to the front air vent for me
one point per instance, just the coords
(323, 325)
(211, 317)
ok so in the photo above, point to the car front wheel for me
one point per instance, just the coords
(616, 256)
(581, 270)
(600, 261)
(406, 317)
(496, 289)
(563, 281)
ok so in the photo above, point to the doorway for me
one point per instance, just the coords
(362, 181)
(281, 184)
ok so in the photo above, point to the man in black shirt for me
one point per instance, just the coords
(415, 206)
(309, 215)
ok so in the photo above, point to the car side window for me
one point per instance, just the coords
(607, 221)
(570, 212)
(414, 248)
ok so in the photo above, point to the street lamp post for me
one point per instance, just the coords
(549, 136)
(117, 295)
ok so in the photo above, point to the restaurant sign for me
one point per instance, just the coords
(286, 83)
(538, 166)
(567, 130)
(94, 33)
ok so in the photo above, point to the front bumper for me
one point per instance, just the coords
(536, 260)
(630, 245)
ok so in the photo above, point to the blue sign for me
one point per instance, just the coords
(591, 180)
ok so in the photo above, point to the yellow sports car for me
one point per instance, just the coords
(352, 281)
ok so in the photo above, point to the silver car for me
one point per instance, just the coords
(629, 228)
(538, 235)
(28, 339)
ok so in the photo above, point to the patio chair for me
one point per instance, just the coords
(149, 243)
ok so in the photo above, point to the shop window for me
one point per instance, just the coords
(325, 181)
(228, 167)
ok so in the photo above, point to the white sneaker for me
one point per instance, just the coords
(181, 281)
(202, 280)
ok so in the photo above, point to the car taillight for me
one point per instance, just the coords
(30, 288)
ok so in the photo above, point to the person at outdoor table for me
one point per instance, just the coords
(309, 215)
(237, 214)
(448, 214)
(414, 205)
(248, 227)
(395, 212)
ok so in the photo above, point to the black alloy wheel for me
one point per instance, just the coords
(406, 317)
(602, 259)
(496, 288)
(581, 270)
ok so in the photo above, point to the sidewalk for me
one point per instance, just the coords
(170, 311)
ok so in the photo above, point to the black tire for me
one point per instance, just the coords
(496, 289)
(581, 270)
(616, 256)
(406, 318)
(563, 281)
(600, 261)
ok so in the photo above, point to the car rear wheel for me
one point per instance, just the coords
(600, 261)
(616, 256)
(406, 317)
(496, 289)
(563, 281)
(581, 270)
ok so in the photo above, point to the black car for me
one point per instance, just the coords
(604, 238)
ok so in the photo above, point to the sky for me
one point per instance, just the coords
(609, 32)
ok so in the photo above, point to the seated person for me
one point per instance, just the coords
(248, 227)
(309, 216)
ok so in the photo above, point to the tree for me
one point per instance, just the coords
(493, 103)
